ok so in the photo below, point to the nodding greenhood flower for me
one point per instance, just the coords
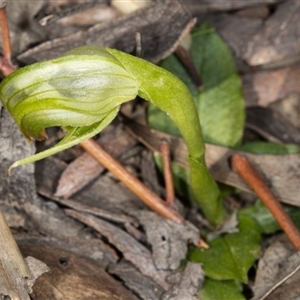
(82, 92)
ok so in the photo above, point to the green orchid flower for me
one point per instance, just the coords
(82, 92)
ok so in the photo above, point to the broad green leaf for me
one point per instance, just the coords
(221, 104)
(269, 148)
(230, 256)
(221, 290)
(221, 111)
(265, 220)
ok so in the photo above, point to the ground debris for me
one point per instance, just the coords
(186, 284)
(165, 22)
(143, 286)
(168, 239)
(73, 277)
(115, 143)
(278, 272)
(132, 250)
(277, 43)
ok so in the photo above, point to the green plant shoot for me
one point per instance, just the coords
(82, 92)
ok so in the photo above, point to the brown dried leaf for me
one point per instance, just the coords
(85, 168)
(16, 275)
(264, 87)
(257, 12)
(272, 125)
(73, 277)
(164, 22)
(278, 42)
(283, 174)
(228, 5)
(84, 246)
(132, 250)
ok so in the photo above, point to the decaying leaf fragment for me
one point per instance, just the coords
(278, 272)
(277, 43)
(169, 240)
(17, 275)
(165, 22)
(73, 277)
(186, 284)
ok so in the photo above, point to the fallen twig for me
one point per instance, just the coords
(246, 170)
(136, 186)
(169, 184)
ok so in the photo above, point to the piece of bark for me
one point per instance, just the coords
(169, 240)
(290, 108)
(161, 26)
(104, 193)
(127, 221)
(235, 36)
(201, 6)
(18, 190)
(277, 263)
(17, 275)
(272, 125)
(84, 246)
(264, 87)
(278, 42)
(132, 250)
(73, 277)
(282, 171)
(186, 284)
(70, 181)
(141, 285)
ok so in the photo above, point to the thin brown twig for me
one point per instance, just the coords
(5, 67)
(245, 169)
(5, 33)
(136, 186)
(169, 184)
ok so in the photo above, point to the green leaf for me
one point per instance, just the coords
(269, 148)
(221, 111)
(221, 290)
(265, 220)
(220, 103)
(230, 256)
